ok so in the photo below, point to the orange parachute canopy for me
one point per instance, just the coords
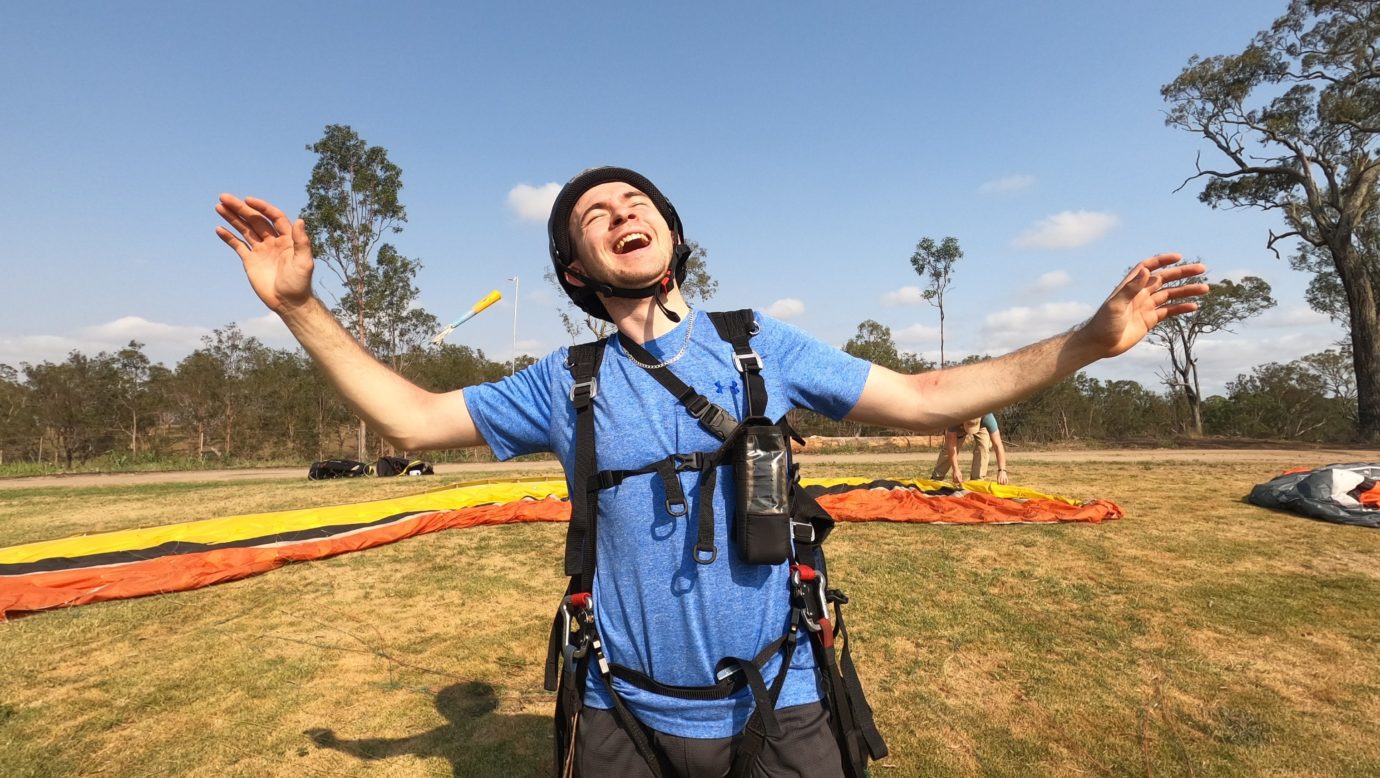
(178, 557)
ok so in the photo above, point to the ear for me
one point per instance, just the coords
(572, 280)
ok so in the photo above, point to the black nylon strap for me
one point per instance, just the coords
(738, 327)
(857, 701)
(580, 538)
(641, 741)
(757, 730)
(716, 420)
(726, 687)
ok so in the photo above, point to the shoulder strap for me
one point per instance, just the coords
(583, 361)
(718, 421)
(737, 328)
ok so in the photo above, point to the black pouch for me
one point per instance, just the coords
(762, 471)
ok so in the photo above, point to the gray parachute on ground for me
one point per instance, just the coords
(1345, 493)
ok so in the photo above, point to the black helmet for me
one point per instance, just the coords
(563, 252)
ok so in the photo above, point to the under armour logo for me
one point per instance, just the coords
(731, 387)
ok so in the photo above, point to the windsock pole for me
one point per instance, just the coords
(489, 299)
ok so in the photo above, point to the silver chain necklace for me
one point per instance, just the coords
(689, 331)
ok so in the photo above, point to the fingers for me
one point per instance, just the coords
(280, 221)
(233, 242)
(1134, 283)
(1180, 272)
(233, 220)
(256, 226)
(1166, 311)
(1161, 260)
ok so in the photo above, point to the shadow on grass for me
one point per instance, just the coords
(475, 739)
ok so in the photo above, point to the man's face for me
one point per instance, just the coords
(619, 236)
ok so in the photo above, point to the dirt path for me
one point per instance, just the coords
(1301, 457)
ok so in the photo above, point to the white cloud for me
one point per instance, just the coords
(1293, 318)
(786, 308)
(268, 328)
(906, 295)
(916, 333)
(1014, 183)
(163, 343)
(35, 349)
(129, 328)
(1016, 327)
(533, 203)
(1054, 279)
(1066, 230)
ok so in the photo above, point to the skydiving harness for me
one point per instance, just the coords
(771, 510)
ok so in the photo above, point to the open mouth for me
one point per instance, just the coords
(632, 242)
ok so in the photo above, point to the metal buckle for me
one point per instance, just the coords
(590, 385)
(686, 462)
(574, 647)
(814, 580)
(741, 361)
(795, 524)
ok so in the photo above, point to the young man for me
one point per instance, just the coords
(986, 438)
(673, 598)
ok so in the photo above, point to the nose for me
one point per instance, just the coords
(622, 214)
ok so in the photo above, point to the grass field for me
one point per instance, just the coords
(1199, 636)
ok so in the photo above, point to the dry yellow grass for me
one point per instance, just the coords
(1199, 636)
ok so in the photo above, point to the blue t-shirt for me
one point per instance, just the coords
(659, 611)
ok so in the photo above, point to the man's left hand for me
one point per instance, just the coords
(1140, 302)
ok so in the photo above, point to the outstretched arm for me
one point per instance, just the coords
(1000, 451)
(951, 447)
(277, 259)
(933, 400)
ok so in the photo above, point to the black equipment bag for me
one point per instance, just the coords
(387, 467)
(336, 468)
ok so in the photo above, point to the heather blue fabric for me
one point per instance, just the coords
(989, 423)
(658, 610)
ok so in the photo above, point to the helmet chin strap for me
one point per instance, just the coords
(657, 291)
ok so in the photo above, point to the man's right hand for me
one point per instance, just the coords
(275, 251)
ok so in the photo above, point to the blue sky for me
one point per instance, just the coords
(808, 147)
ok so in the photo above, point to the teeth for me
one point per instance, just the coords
(623, 241)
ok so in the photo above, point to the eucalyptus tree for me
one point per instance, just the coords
(1224, 306)
(934, 263)
(1295, 117)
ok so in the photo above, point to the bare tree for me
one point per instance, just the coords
(1228, 303)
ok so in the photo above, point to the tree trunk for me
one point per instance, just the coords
(1365, 337)
(941, 333)
(1195, 400)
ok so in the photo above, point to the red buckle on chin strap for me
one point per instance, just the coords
(666, 281)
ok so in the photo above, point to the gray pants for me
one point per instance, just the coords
(806, 747)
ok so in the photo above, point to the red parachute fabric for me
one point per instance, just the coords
(906, 505)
